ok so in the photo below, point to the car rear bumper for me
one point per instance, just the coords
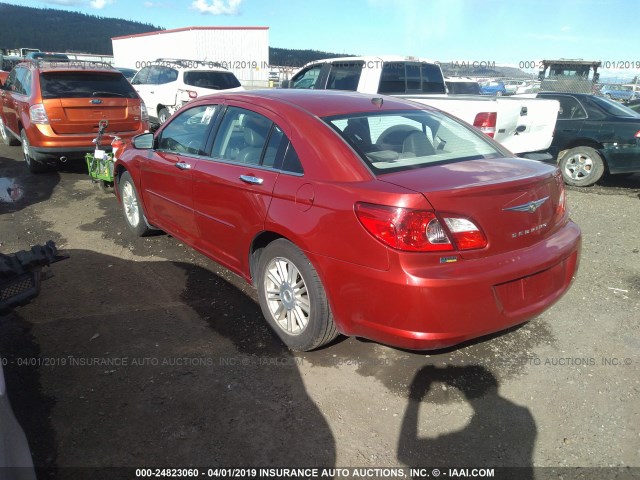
(428, 308)
(48, 146)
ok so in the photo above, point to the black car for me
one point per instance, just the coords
(594, 135)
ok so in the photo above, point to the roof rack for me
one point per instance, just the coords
(187, 63)
(63, 63)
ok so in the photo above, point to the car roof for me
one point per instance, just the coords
(567, 93)
(321, 103)
(183, 64)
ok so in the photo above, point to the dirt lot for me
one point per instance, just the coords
(143, 353)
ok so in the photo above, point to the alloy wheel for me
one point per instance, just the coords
(287, 296)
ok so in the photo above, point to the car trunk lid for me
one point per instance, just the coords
(514, 202)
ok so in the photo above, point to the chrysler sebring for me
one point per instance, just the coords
(356, 214)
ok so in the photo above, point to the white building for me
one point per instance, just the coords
(243, 50)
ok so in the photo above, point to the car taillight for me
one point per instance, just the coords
(466, 235)
(192, 94)
(486, 122)
(637, 134)
(144, 114)
(38, 115)
(418, 230)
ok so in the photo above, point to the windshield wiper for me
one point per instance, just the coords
(103, 94)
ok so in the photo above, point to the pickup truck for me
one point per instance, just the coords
(523, 126)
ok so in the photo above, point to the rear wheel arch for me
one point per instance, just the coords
(292, 296)
(257, 246)
(117, 173)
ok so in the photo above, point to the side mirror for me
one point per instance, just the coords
(596, 77)
(285, 84)
(144, 141)
(541, 76)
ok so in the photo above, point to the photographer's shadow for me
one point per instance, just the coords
(499, 434)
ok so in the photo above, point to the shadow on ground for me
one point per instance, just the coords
(156, 364)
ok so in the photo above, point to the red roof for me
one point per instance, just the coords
(186, 29)
(322, 103)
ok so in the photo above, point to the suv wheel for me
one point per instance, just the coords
(33, 165)
(6, 137)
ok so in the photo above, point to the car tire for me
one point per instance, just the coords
(581, 166)
(163, 115)
(292, 297)
(33, 165)
(6, 137)
(131, 206)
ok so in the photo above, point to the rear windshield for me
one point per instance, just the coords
(613, 108)
(212, 80)
(85, 85)
(411, 77)
(403, 140)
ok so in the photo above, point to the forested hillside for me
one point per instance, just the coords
(61, 31)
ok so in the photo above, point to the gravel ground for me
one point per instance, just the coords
(143, 353)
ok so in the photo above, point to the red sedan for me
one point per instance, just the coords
(356, 214)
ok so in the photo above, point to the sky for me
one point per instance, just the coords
(507, 32)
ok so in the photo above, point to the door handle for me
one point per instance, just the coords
(183, 165)
(251, 179)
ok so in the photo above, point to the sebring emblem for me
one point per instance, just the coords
(528, 207)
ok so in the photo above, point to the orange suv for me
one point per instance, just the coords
(53, 109)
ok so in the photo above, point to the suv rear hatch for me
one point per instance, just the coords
(75, 101)
(515, 203)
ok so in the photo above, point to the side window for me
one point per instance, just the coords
(11, 80)
(187, 132)
(307, 78)
(142, 76)
(277, 140)
(412, 72)
(404, 77)
(392, 78)
(249, 138)
(344, 76)
(166, 75)
(26, 83)
(291, 161)
(154, 75)
(242, 136)
(19, 81)
(570, 108)
(432, 80)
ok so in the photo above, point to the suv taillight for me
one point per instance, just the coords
(37, 114)
(418, 230)
(116, 145)
(144, 114)
(486, 122)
